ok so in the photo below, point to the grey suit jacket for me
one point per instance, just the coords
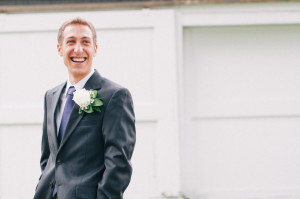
(93, 159)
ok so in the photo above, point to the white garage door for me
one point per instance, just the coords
(242, 112)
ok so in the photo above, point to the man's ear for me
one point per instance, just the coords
(59, 50)
(96, 48)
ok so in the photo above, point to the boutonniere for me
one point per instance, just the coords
(87, 100)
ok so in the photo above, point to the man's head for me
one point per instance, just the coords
(77, 45)
(73, 21)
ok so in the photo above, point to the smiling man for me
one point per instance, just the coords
(86, 145)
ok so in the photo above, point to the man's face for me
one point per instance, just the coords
(78, 50)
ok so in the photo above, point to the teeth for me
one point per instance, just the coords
(81, 59)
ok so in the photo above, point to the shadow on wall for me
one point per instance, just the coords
(179, 196)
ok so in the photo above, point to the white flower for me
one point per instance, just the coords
(82, 98)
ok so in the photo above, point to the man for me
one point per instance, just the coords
(85, 154)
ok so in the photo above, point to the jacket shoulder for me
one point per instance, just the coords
(49, 93)
(56, 88)
(111, 86)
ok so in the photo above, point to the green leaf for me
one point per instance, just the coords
(96, 108)
(93, 94)
(97, 102)
(89, 109)
(80, 111)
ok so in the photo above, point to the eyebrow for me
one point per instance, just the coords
(72, 37)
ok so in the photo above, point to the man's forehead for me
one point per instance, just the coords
(77, 30)
(76, 36)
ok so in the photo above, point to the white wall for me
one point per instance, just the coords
(136, 49)
(215, 90)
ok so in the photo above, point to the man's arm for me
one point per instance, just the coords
(45, 145)
(119, 140)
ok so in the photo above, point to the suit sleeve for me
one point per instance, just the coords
(119, 140)
(45, 151)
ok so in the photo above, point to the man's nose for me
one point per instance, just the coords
(78, 48)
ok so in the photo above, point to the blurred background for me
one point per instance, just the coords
(215, 83)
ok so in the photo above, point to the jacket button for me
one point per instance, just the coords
(58, 162)
(51, 185)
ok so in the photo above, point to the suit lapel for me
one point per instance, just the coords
(94, 83)
(55, 102)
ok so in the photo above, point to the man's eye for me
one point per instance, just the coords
(86, 41)
(70, 41)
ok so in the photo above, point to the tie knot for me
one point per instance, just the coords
(71, 90)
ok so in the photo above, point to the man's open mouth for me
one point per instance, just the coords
(78, 59)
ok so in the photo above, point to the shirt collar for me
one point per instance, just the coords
(79, 85)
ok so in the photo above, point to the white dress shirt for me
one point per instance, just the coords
(63, 98)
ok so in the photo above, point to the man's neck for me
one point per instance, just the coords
(75, 79)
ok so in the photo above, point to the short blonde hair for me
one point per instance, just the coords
(76, 20)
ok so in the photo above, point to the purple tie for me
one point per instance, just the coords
(64, 120)
(66, 114)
